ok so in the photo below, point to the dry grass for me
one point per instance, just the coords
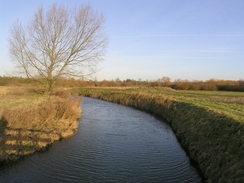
(8, 90)
(43, 114)
(30, 121)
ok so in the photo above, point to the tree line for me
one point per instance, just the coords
(179, 84)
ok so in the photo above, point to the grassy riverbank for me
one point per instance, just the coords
(209, 125)
(30, 122)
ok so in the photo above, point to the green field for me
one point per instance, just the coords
(230, 104)
(208, 124)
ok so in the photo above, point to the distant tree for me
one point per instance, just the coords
(195, 86)
(59, 42)
(209, 86)
(165, 80)
(117, 80)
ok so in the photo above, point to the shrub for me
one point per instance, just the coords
(62, 94)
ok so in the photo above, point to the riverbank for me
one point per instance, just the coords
(30, 122)
(209, 125)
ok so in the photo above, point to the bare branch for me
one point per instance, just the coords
(59, 42)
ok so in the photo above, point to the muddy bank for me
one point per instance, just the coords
(26, 130)
(214, 141)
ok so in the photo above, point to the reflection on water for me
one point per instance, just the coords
(114, 144)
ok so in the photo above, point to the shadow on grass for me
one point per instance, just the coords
(17, 142)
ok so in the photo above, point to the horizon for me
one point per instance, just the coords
(152, 39)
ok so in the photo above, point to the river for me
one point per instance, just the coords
(114, 143)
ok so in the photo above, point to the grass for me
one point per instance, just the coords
(30, 121)
(228, 103)
(209, 125)
(28, 144)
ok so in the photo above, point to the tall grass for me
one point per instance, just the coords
(34, 121)
(213, 137)
(44, 114)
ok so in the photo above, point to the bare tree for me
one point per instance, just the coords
(165, 80)
(59, 42)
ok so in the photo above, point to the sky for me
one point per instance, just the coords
(150, 39)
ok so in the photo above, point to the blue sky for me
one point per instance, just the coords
(149, 39)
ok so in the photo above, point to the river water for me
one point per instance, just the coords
(114, 143)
